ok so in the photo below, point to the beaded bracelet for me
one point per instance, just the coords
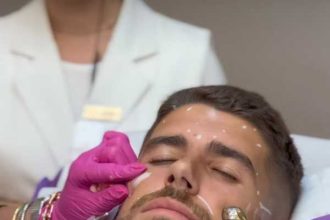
(48, 206)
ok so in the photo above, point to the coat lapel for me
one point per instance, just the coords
(129, 66)
(39, 79)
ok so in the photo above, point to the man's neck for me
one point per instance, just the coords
(81, 17)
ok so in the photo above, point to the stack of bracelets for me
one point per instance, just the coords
(40, 209)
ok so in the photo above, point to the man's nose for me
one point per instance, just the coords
(182, 177)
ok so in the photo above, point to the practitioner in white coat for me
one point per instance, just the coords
(114, 61)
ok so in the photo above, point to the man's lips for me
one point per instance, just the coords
(167, 203)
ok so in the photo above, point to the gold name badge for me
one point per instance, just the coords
(102, 113)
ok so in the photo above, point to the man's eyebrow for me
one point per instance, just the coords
(175, 141)
(222, 150)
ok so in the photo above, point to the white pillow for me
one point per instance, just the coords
(314, 152)
(315, 198)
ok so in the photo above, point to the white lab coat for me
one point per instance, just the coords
(150, 56)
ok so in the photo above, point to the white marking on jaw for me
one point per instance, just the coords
(206, 204)
(264, 208)
(189, 109)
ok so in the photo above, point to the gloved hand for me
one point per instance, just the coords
(113, 163)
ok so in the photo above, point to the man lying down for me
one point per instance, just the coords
(213, 152)
(213, 149)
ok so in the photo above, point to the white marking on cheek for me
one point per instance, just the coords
(205, 203)
(264, 208)
(259, 145)
(189, 109)
(247, 208)
(140, 178)
(244, 127)
(199, 136)
(189, 130)
(214, 136)
(223, 130)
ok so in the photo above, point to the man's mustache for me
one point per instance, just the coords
(179, 195)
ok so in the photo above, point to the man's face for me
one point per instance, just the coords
(200, 161)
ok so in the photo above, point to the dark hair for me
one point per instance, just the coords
(253, 108)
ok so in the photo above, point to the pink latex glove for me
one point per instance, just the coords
(114, 163)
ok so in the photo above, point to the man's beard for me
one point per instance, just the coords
(170, 192)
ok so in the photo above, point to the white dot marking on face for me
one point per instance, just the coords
(189, 130)
(164, 121)
(189, 109)
(257, 174)
(259, 145)
(214, 136)
(258, 193)
(223, 131)
(199, 136)
(254, 129)
(244, 127)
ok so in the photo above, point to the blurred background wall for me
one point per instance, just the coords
(279, 48)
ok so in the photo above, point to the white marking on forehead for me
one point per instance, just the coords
(244, 127)
(264, 208)
(199, 136)
(140, 178)
(188, 130)
(259, 145)
(205, 203)
(189, 109)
